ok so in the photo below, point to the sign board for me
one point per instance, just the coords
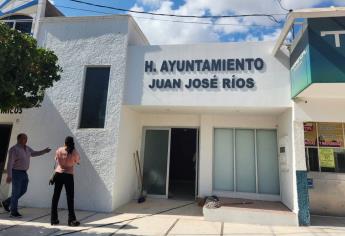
(326, 156)
(207, 75)
(12, 111)
(319, 54)
(198, 68)
(330, 134)
(310, 134)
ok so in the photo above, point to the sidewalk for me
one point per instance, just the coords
(154, 217)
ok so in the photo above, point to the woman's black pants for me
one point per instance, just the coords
(62, 179)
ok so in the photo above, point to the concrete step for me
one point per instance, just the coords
(251, 212)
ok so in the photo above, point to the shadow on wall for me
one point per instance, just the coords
(134, 84)
(46, 127)
(284, 59)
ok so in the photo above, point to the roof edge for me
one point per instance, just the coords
(138, 29)
(305, 13)
(81, 18)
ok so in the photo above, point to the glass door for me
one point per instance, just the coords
(156, 161)
(246, 161)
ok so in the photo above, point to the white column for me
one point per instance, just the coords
(206, 156)
(298, 135)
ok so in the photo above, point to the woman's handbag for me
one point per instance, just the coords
(53, 177)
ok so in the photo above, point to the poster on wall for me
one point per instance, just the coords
(326, 156)
(310, 135)
(330, 135)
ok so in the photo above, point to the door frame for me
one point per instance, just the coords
(142, 151)
(142, 158)
(3, 171)
(197, 164)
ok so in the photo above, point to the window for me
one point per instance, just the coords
(324, 146)
(246, 160)
(95, 97)
(313, 159)
(19, 22)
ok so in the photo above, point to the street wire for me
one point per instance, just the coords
(270, 16)
(175, 21)
(282, 7)
(169, 20)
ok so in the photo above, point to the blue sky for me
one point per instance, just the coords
(164, 30)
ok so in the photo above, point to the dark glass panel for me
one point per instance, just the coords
(95, 97)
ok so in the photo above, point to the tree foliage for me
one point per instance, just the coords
(26, 71)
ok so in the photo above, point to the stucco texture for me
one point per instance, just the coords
(78, 43)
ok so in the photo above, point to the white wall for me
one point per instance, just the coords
(78, 42)
(272, 83)
(321, 110)
(126, 181)
(135, 35)
(288, 187)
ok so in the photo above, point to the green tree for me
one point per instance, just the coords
(26, 71)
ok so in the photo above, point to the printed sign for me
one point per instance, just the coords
(205, 73)
(12, 111)
(310, 135)
(326, 156)
(330, 135)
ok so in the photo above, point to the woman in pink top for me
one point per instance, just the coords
(66, 157)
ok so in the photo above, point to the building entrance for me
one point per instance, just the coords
(5, 135)
(183, 152)
(170, 157)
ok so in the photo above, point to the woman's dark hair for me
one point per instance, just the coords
(69, 142)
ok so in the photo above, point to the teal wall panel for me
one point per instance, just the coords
(300, 65)
(316, 57)
(327, 60)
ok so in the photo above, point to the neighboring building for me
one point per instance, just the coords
(24, 15)
(206, 119)
(317, 89)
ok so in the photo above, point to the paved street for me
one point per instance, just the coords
(154, 217)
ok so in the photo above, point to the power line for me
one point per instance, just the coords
(282, 7)
(166, 20)
(270, 16)
(209, 23)
(174, 21)
(81, 9)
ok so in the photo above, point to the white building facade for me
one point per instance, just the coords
(205, 119)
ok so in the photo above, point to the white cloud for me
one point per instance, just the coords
(164, 32)
(265, 37)
(160, 31)
(230, 25)
(272, 36)
(151, 3)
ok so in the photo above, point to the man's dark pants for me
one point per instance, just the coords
(20, 183)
